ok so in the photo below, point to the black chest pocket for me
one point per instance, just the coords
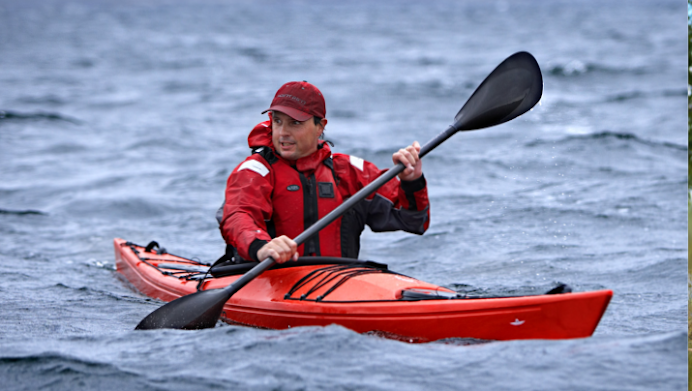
(325, 189)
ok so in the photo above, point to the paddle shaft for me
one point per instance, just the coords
(340, 210)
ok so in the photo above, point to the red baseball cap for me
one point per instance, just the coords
(299, 100)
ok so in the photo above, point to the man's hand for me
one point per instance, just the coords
(282, 249)
(409, 157)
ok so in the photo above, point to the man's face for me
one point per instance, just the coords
(293, 139)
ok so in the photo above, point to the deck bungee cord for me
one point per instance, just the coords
(341, 273)
(182, 271)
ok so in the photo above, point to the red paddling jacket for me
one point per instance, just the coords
(269, 196)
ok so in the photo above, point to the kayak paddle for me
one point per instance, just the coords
(512, 89)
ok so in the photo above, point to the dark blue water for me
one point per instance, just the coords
(123, 119)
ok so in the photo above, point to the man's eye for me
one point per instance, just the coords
(296, 123)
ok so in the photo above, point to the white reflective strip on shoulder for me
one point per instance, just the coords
(357, 162)
(255, 166)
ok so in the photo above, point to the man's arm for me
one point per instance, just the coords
(247, 205)
(399, 204)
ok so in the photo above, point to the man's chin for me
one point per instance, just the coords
(288, 155)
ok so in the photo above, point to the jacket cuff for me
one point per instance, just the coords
(413, 186)
(255, 246)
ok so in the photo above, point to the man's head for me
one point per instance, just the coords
(297, 114)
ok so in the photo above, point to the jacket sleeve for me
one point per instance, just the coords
(247, 205)
(409, 210)
(395, 206)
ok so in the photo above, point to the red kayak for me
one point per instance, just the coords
(363, 296)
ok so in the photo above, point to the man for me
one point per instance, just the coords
(292, 179)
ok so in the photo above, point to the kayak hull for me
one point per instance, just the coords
(371, 303)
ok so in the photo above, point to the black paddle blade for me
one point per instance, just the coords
(512, 89)
(199, 310)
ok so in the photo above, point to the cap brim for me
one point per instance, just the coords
(291, 112)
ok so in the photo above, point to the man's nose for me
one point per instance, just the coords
(280, 129)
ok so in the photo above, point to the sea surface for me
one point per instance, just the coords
(123, 119)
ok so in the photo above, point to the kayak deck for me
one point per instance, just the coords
(364, 297)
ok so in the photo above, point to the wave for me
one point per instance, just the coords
(629, 136)
(610, 135)
(665, 269)
(343, 114)
(133, 208)
(637, 94)
(6, 115)
(579, 68)
(255, 53)
(22, 212)
(49, 99)
(86, 292)
(58, 371)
